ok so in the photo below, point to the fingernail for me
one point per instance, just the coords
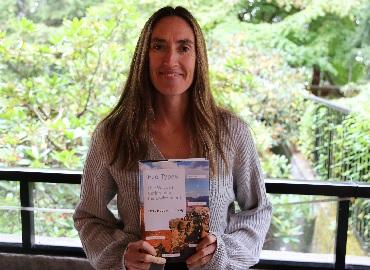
(161, 260)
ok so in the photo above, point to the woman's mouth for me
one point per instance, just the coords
(170, 74)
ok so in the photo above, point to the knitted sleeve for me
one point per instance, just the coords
(100, 232)
(240, 245)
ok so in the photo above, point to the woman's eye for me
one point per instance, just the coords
(184, 49)
(157, 47)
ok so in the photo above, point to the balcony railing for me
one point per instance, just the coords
(336, 158)
(342, 190)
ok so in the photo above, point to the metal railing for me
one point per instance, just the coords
(335, 157)
(342, 190)
(330, 160)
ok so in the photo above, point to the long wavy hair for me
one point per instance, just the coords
(126, 128)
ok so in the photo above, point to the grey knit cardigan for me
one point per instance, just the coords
(240, 234)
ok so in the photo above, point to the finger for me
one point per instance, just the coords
(134, 246)
(148, 248)
(209, 250)
(139, 267)
(206, 241)
(200, 262)
(142, 266)
(147, 258)
(141, 246)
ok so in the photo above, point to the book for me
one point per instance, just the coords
(174, 205)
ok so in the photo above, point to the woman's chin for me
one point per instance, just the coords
(171, 90)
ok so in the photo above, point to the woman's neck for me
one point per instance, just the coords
(171, 111)
(170, 128)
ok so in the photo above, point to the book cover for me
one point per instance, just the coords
(174, 205)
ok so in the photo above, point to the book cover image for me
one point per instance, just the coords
(174, 205)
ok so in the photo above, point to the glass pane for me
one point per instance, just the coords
(10, 215)
(358, 241)
(55, 204)
(301, 225)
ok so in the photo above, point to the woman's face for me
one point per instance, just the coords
(172, 56)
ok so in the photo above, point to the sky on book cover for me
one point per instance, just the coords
(196, 176)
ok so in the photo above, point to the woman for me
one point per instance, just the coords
(167, 111)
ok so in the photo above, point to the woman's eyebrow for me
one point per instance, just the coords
(185, 41)
(158, 40)
(181, 41)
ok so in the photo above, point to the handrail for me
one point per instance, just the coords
(327, 103)
(315, 187)
(276, 186)
(343, 190)
(61, 176)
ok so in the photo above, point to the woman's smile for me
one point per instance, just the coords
(170, 74)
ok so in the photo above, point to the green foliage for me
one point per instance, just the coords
(355, 148)
(346, 138)
(357, 98)
(361, 221)
(260, 87)
(256, 11)
(307, 133)
(332, 35)
(55, 224)
(10, 221)
(60, 84)
(360, 52)
(8, 10)
(48, 12)
(290, 221)
(276, 166)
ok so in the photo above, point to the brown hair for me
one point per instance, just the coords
(127, 125)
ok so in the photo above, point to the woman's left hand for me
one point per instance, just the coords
(205, 250)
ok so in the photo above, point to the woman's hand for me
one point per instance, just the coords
(205, 250)
(139, 255)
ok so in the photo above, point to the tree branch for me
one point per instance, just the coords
(90, 85)
(56, 146)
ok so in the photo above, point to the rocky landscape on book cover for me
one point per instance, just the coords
(174, 205)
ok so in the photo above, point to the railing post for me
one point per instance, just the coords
(28, 224)
(341, 238)
(330, 150)
(317, 136)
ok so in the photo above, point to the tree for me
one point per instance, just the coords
(314, 33)
(51, 13)
(59, 82)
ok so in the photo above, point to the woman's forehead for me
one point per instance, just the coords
(172, 27)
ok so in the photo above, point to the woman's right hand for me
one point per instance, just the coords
(139, 255)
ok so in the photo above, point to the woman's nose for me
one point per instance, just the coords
(170, 57)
